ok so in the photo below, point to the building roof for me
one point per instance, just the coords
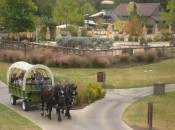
(107, 2)
(145, 9)
(98, 14)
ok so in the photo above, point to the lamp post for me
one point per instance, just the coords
(25, 48)
(107, 8)
(0, 37)
(37, 34)
(87, 19)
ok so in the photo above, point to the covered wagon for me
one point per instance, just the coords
(23, 85)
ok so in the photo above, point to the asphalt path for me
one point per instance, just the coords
(104, 114)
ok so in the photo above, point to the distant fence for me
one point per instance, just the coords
(168, 51)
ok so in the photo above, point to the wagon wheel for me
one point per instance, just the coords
(13, 100)
(25, 105)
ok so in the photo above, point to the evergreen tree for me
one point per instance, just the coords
(132, 9)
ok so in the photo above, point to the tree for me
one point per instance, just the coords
(119, 25)
(88, 8)
(99, 24)
(132, 9)
(2, 3)
(67, 11)
(45, 8)
(133, 27)
(45, 15)
(18, 15)
(169, 16)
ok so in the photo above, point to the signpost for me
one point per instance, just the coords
(150, 115)
(101, 77)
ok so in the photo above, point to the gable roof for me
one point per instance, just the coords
(145, 9)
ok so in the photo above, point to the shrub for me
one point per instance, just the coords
(11, 55)
(50, 63)
(89, 28)
(83, 32)
(139, 56)
(156, 38)
(3, 56)
(94, 92)
(150, 55)
(116, 38)
(149, 30)
(136, 39)
(33, 60)
(97, 64)
(149, 40)
(127, 50)
(98, 61)
(159, 52)
(63, 33)
(122, 38)
(143, 41)
(73, 30)
(130, 38)
(166, 37)
(88, 92)
(81, 96)
(74, 64)
(85, 42)
(37, 56)
(124, 58)
(72, 61)
(47, 57)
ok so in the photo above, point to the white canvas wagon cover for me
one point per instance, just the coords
(28, 68)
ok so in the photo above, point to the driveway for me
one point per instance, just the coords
(104, 114)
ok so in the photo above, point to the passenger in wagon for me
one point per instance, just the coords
(13, 78)
(39, 80)
(21, 76)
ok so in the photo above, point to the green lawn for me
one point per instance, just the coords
(163, 112)
(139, 76)
(10, 120)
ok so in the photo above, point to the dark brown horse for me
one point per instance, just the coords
(51, 96)
(69, 95)
(61, 95)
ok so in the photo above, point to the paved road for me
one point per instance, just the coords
(104, 114)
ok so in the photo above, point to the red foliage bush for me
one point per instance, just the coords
(139, 56)
(50, 58)
(124, 58)
(12, 55)
(150, 55)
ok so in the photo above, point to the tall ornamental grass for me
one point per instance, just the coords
(54, 59)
